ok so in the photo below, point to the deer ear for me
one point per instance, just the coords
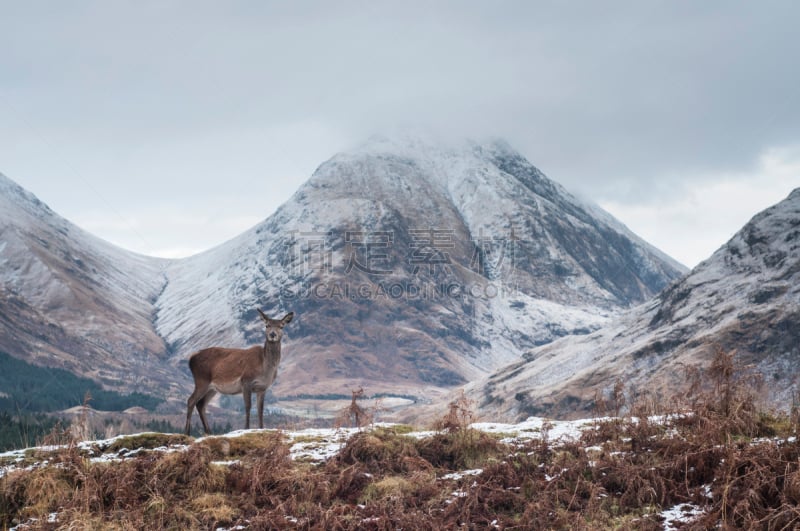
(264, 317)
(287, 318)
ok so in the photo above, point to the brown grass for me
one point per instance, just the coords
(354, 416)
(620, 475)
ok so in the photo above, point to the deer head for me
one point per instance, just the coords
(274, 327)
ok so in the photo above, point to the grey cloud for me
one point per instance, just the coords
(617, 100)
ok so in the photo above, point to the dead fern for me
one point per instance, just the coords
(354, 416)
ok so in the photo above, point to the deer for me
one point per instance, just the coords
(231, 371)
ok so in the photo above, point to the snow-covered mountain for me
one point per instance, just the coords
(71, 300)
(412, 267)
(745, 297)
(412, 264)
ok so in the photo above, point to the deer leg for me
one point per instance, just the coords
(194, 398)
(246, 391)
(201, 409)
(260, 403)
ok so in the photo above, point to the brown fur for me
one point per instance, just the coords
(232, 371)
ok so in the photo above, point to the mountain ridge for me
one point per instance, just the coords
(333, 202)
(743, 298)
(386, 216)
(72, 300)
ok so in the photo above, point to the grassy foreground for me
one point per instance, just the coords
(725, 465)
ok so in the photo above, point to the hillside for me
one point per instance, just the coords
(73, 301)
(744, 298)
(413, 267)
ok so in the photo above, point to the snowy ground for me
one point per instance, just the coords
(318, 445)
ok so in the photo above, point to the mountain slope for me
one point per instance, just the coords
(411, 266)
(745, 297)
(71, 300)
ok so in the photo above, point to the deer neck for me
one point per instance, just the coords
(272, 351)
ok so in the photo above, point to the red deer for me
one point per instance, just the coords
(231, 371)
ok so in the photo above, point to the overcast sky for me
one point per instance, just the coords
(168, 127)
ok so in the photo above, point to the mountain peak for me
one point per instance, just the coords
(362, 251)
(457, 167)
(426, 146)
(414, 263)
